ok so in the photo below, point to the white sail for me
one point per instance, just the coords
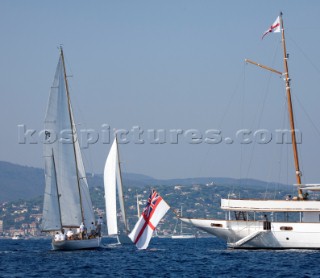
(74, 198)
(110, 178)
(113, 183)
(57, 123)
(51, 211)
(86, 202)
(120, 192)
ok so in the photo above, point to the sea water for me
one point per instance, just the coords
(165, 257)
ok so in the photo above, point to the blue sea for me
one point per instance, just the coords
(200, 257)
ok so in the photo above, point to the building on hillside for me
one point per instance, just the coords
(33, 229)
(19, 219)
(16, 232)
(37, 217)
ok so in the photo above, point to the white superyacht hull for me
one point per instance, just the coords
(76, 244)
(253, 235)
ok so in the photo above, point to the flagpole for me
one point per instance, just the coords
(290, 110)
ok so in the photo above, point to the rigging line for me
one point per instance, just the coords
(89, 159)
(226, 111)
(243, 79)
(242, 120)
(304, 54)
(69, 68)
(243, 90)
(287, 164)
(287, 153)
(307, 114)
(283, 150)
(302, 161)
(278, 165)
(83, 153)
(259, 118)
(267, 91)
(317, 131)
(73, 129)
(299, 146)
(278, 158)
(87, 156)
(240, 78)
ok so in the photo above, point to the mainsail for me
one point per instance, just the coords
(113, 183)
(67, 200)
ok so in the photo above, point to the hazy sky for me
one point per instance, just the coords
(165, 65)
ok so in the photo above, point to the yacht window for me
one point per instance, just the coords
(286, 228)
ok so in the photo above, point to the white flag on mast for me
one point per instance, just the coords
(274, 28)
(155, 209)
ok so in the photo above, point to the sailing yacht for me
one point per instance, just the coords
(67, 202)
(180, 235)
(112, 185)
(290, 223)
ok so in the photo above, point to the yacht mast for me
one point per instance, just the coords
(290, 110)
(72, 129)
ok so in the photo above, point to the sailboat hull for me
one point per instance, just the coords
(182, 236)
(76, 244)
(253, 235)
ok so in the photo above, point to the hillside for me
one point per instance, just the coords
(22, 189)
(197, 200)
(23, 182)
(20, 182)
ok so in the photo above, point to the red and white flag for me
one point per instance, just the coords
(155, 209)
(274, 28)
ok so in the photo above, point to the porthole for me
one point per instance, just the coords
(216, 225)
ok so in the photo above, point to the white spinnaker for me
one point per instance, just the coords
(110, 189)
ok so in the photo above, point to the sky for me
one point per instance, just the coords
(171, 67)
